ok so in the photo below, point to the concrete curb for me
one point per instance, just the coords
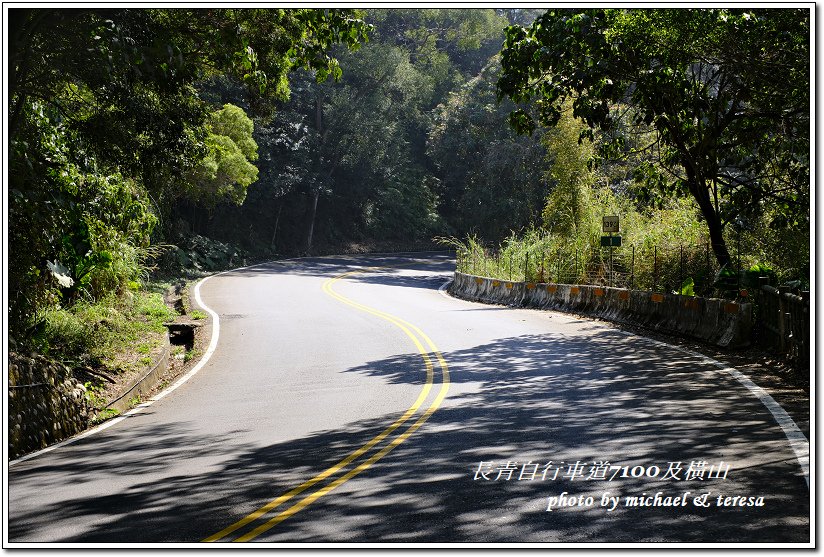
(143, 385)
(719, 322)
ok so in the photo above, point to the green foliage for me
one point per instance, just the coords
(196, 255)
(349, 145)
(348, 160)
(231, 121)
(96, 334)
(403, 211)
(446, 45)
(687, 287)
(107, 130)
(93, 394)
(727, 280)
(785, 251)
(86, 229)
(227, 170)
(191, 354)
(489, 179)
(751, 277)
(104, 414)
(659, 249)
(569, 206)
(707, 83)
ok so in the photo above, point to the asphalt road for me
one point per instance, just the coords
(345, 403)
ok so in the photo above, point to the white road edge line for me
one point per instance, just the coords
(798, 441)
(141, 407)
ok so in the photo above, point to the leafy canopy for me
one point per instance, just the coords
(227, 170)
(107, 129)
(725, 90)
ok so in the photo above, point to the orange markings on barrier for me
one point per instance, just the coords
(496, 283)
(551, 288)
(530, 285)
(657, 298)
(479, 280)
(599, 291)
(509, 285)
(623, 295)
(574, 290)
(731, 308)
(692, 303)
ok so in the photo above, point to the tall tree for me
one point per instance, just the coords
(490, 180)
(569, 206)
(227, 170)
(123, 78)
(106, 126)
(725, 90)
(362, 125)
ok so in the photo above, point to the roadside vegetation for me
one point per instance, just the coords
(665, 246)
(152, 145)
(99, 334)
(708, 105)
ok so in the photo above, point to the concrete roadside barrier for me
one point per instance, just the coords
(720, 322)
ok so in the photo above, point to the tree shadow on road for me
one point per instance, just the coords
(436, 263)
(520, 401)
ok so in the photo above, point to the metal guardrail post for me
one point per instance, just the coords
(543, 258)
(708, 284)
(575, 271)
(804, 320)
(782, 325)
(654, 267)
(558, 267)
(526, 267)
(738, 275)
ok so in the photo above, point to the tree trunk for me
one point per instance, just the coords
(701, 194)
(312, 222)
(321, 133)
(277, 222)
(719, 246)
(319, 114)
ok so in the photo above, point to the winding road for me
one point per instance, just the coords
(349, 399)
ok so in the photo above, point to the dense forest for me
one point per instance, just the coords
(152, 140)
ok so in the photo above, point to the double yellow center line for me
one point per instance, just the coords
(268, 516)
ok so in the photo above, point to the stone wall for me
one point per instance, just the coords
(719, 322)
(45, 405)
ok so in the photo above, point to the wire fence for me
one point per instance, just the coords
(784, 324)
(781, 315)
(681, 269)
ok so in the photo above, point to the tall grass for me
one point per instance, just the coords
(97, 333)
(664, 250)
(541, 257)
